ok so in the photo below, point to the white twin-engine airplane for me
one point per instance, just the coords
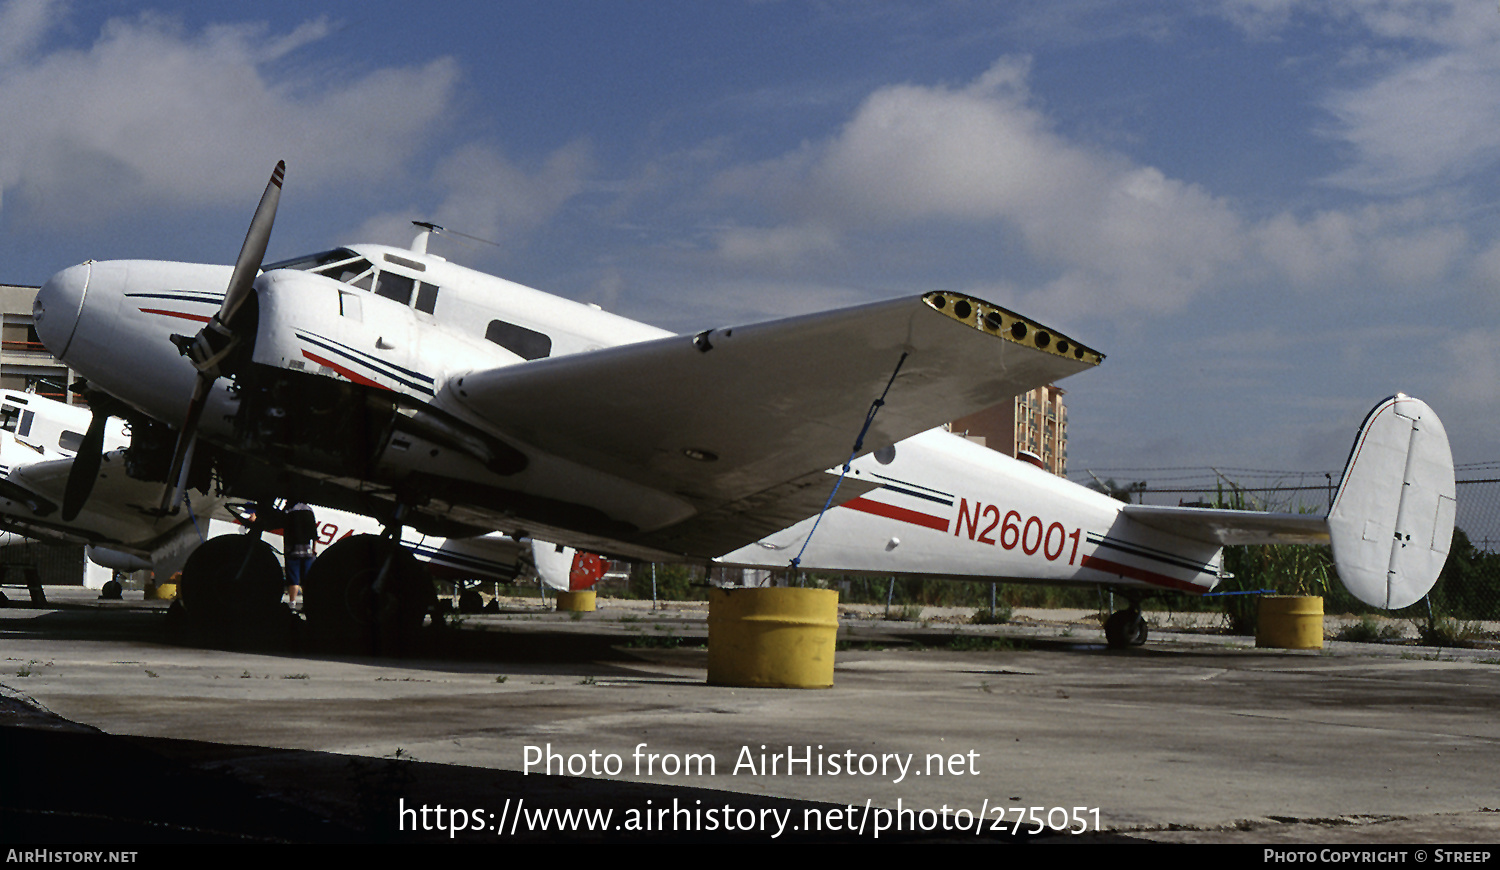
(395, 384)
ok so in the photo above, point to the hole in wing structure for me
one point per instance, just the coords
(1392, 521)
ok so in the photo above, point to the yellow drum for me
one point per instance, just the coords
(582, 602)
(1290, 622)
(772, 638)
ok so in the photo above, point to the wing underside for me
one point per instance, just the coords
(741, 424)
(120, 511)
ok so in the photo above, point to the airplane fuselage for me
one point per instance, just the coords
(949, 508)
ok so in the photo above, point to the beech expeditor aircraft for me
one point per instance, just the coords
(392, 383)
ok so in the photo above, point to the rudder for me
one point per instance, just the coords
(1392, 520)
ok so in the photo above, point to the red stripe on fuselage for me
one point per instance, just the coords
(165, 313)
(346, 372)
(1140, 574)
(880, 509)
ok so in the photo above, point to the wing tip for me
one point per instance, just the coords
(997, 321)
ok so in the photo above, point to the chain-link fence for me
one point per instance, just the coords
(1470, 584)
(58, 564)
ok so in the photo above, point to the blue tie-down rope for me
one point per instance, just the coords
(858, 445)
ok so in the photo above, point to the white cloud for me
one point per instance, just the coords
(1422, 112)
(151, 113)
(1116, 235)
(1404, 245)
(23, 23)
(496, 198)
(1486, 270)
(1423, 123)
(777, 247)
(485, 195)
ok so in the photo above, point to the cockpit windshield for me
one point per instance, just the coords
(312, 262)
(340, 264)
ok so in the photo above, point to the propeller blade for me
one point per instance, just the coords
(254, 249)
(85, 468)
(172, 495)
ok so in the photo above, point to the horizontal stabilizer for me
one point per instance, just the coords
(1229, 528)
(1392, 519)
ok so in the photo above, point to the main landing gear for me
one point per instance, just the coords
(1125, 628)
(368, 595)
(230, 594)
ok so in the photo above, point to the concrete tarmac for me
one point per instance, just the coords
(932, 732)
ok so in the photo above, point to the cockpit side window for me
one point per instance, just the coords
(524, 343)
(9, 416)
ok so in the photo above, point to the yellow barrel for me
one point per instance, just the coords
(164, 592)
(1290, 622)
(582, 602)
(772, 638)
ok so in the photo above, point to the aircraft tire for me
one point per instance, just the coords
(231, 591)
(344, 611)
(1125, 628)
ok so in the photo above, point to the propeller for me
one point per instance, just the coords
(217, 339)
(85, 468)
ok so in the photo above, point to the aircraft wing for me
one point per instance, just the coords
(742, 423)
(1232, 527)
(119, 512)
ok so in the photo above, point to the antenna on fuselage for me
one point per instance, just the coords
(419, 244)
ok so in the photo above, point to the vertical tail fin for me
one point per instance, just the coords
(1392, 520)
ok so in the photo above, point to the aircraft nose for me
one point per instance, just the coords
(58, 304)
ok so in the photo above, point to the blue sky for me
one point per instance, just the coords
(1268, 214)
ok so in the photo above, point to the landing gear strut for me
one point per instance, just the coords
(1125, 628)
(366, 594)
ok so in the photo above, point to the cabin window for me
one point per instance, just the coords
(69, 440)
(395, 287)
(426, 297)
(25, 428)
(9, 416)
(524, 343)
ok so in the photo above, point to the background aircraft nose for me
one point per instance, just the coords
(58, 305)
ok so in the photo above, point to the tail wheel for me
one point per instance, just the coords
(366, 594)
(231, 589)
(1125, 628)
